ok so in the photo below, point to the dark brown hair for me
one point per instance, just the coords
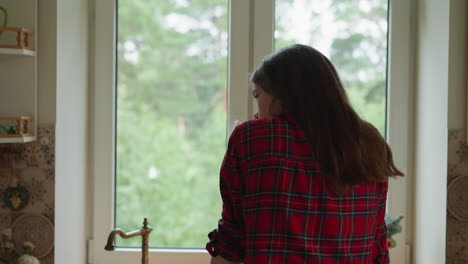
(308, 88)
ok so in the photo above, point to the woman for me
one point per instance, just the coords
(305, 182)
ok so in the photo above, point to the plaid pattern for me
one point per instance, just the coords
(277, 207)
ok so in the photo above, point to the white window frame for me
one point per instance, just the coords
(248, 44)
(103, 124)
(400, 118)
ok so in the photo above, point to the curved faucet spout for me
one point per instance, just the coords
(110, 246)
(144, 232)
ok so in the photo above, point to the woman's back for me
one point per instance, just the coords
(307, 181)
(278, 207)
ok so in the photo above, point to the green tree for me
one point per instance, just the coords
(360, 54)
(171, 117)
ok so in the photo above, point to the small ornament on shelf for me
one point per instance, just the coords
(9, 130)
(5, 18)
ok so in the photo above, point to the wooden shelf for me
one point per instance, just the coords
(18, 64)
(20, 52)
(23, 134)
(17, 139)
(21, 47)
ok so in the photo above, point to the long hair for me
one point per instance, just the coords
(306, 85)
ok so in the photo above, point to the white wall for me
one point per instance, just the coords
(91, 78)
(71, 132)
(47, 61)
(458, 61)
(432, 80)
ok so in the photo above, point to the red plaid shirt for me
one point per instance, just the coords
(277, 208)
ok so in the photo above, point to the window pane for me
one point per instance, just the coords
(171, 118)
(353, 34)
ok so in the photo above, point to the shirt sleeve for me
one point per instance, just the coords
(380, 246)
(227, 240)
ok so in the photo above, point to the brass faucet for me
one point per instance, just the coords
(144, 232)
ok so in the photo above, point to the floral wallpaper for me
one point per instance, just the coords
(457, 198)
(27, 173)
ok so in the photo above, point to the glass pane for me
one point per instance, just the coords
(171, 118)
(353, 34)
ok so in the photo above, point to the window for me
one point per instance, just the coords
(171, 117)
(170, 90)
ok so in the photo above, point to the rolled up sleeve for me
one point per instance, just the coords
(227, 240)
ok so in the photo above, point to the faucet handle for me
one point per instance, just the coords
(146, 228)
